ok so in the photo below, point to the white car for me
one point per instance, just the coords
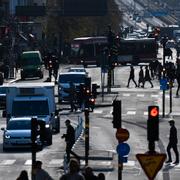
(18, 134)
(77, 69)
(64, 80)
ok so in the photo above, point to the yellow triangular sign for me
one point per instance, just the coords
(151, 163)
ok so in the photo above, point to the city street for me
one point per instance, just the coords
(135, 102)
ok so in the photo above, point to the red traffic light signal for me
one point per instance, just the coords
(154, 111)
(153, 124)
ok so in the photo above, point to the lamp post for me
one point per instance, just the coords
(164, 40)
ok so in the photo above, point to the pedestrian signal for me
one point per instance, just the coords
(153, 124)
(154, 112)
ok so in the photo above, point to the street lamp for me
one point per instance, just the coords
(164, 41)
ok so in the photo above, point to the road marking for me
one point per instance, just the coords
(105, 163)
(28, 162)
(140, 95)
(126, 94)
(129, 163)
(131, 112)
(97, 111)
(145, 113)
(56, 162)
(154, 95)
(167, 96)
(8, 162)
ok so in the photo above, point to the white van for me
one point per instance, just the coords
(64, 80)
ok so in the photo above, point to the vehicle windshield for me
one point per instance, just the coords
(30, 61)
(3, 90)
(75, 49)
(30, 108)
(74, 78)
(19, 125)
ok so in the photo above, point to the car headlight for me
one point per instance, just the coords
(7, 136)
(38, 68)
(47, 126)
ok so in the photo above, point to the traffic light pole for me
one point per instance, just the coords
(163, 95)
(33, 159)
(109, 81)
(170, 96)
(86, 113)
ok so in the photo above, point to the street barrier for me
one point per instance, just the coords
(79, 129)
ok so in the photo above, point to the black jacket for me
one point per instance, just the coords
(173, 135)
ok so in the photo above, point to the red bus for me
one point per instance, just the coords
(87, 50)
(135, 51)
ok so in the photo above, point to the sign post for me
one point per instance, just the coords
(152, 161)
(122, 149)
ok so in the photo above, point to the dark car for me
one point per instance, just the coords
(3, 90)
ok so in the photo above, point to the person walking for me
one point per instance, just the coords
(147, 77)
(131, 77)
(74, 171)
(69, 139)
(72, 96)
(172, 143)
(39, 173)
(141, 77)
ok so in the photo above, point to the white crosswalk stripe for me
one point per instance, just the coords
(28, 162)
(126, 94)
(154, 95)
(131, 112)
(140, 95)
(8, 162)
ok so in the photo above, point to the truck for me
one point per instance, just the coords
(34, 100)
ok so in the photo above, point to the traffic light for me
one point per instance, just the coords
(153, 124)
(94, 90)
(34, 129)
(116, 114)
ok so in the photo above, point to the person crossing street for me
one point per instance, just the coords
(131, 77)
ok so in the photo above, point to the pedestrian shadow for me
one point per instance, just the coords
(168, 167)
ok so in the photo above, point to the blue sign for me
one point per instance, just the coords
(123, 149)
(159, 13)
(163, 84)
(123, 159)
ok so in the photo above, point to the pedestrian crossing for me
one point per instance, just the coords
(60, 163)
(130, 113)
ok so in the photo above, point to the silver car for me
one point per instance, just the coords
(18, 134)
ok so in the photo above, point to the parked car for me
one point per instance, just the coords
(18, 134)
(64, 80)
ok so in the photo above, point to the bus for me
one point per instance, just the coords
(87, 50)
(136, 51)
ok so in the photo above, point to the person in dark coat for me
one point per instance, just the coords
(69, 139)
(131, 77)
(141, 77)
(88, 174)
(147, 77)
(23, 175)
(172, 143)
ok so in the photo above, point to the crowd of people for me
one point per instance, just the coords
(155, 70)
(74, 173)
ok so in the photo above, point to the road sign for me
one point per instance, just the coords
(122, 134)
(123, 149)
(163, 84)
(151, 163)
